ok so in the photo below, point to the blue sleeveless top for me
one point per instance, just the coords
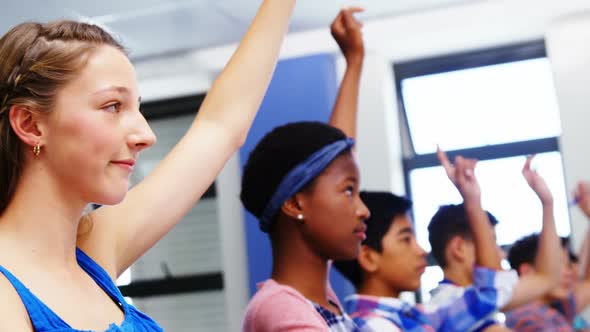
(45, 320)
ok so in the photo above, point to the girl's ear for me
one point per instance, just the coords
(27, 125)
(293, 207)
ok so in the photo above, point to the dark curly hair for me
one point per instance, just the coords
(276, 155)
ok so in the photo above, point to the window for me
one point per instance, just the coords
(490, 105)
(497, 105)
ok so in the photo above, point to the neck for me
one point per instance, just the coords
(459, 275)
(375, 287)
(298, 266)
(41, 221)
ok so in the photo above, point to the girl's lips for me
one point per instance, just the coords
(361, 235)
(361, 231)
(126, 164)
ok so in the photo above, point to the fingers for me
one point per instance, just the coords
(465, 168)
(350, 22)
(470, 168)
(354, 9)
(459, 164)
(337, 26)
(527, 172)
(444, 160)
(527, 163)
(462, 170)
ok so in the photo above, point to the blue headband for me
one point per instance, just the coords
(299, 176)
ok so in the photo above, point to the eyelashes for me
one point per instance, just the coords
(112, 108)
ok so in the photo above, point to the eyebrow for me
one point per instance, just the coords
(406, 230)
(120, 89)
(351, 178)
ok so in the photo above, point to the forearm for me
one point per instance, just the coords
(583, 200)
(344, 114)
(237, 93)
(584, 254)
(530, 287)
(483, 236)
(547, 259)
(534, 286)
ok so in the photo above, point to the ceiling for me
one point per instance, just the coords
(150, 28)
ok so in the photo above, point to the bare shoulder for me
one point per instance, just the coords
(12, 310)
(95, 240)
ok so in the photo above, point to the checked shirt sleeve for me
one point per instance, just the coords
(490, 291)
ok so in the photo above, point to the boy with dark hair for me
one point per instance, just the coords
(391, 261)
(454, 249)
(556, 310)
(449, 228)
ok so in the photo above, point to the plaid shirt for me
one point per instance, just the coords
(537, 316)
(337, 323)
(447, 292)
(491, 290)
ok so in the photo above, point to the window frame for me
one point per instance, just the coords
(458, 61)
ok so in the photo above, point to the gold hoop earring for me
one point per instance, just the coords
(37, 150)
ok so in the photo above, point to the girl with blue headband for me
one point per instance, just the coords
(301, 182)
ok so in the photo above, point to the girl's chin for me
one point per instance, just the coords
(112, 198)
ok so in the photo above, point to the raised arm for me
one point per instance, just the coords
(547, 272)
(582, 289)
(462, 175)
(124, 232)
(346, 30)
(584, 255)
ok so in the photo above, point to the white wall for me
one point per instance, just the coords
(569, 51)
(479, 25)
(233, 244)
(378, 146)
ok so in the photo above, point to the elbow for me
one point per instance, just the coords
(233, 133)
(550, 281)
(237, 136)
(235, 139)
(240, 138)
(238, 142)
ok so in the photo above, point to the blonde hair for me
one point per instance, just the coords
(36, 60)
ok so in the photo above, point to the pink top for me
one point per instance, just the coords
(277, 307)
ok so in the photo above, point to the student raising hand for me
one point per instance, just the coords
(536, 182)
(462, 175)
(346, 30)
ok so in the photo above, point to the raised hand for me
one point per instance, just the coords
(346, 30)
(582, 196)
(462, 175)
(536, 182)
